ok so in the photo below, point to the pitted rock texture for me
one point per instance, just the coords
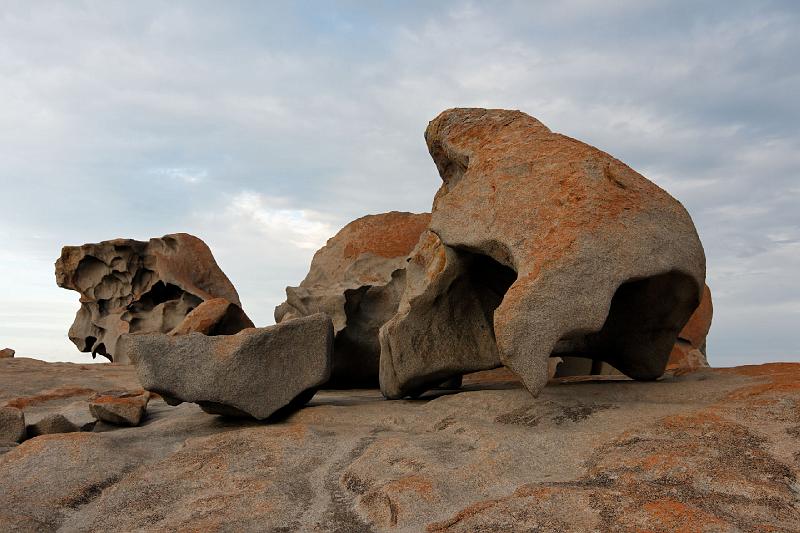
(253, 373)
(604, 261)
(357, 279)
(130, 286)
(715, 450)
(689, 352)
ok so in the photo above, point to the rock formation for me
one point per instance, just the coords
(541, 245)
(357, 278)
(689, 352)
(54, 423)
(129, 286)
(7, 353)
(120, 408)
(253, 373)
(214, 317)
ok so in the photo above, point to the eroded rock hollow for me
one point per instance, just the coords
(130, 286)
(540, 246)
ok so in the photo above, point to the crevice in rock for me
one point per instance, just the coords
(643, 322)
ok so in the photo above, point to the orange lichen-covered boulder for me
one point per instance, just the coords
(357, 279)
(689, 352)
(602, 261)
(130, 286)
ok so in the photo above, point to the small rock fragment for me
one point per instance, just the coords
(217, 316)
(7, 353)
(255, 372)
(121, 408)
(12, 425)
(53, 423)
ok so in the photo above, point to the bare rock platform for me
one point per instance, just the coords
(714, 450)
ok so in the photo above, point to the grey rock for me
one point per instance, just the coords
(54, 423)
(357, 279)
(12, 425)
(255, 372)
(130, 286)
(602, 263)
(442, 327)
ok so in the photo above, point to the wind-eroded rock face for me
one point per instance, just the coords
(568, 252)
(357, 279)
(253, 373)
(129, 286)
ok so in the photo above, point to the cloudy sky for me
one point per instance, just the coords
(264, 127)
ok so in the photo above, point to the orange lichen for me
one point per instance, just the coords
(783, 377)
(368, 234)
(672, 515)
(47, 396)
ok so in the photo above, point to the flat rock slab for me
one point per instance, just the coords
(253, 373)
(716, 450)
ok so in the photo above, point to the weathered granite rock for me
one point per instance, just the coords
(253, 373)
(130, 286)
(689, 352)
(12, 425)
(120, 408)
(54, 423)
(357, 279)
(715, 450)
(686, 356)
(7, 353)
(588, 257)
(214, 317)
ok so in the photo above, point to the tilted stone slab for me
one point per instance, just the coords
(255, 372)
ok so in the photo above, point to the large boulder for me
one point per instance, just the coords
(7, 353)
(357, 279)
(130, 286)
(253, 373)
(562, 249)
(689, 352)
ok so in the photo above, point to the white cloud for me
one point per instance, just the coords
(303, 228)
